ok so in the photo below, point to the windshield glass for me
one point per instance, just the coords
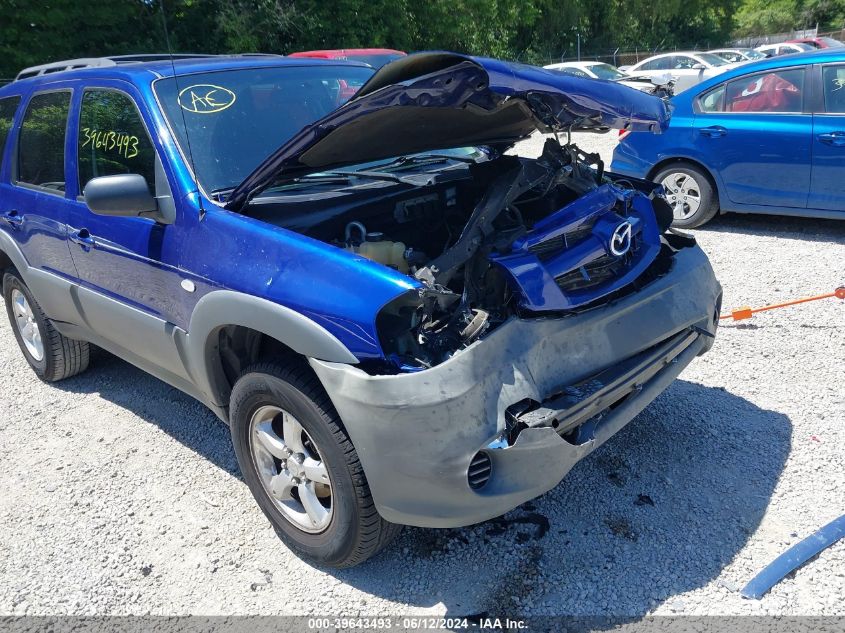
(710, 58)
(377, 60)
(832, 43)
(752, 54)
(606, 71)
(236, 118)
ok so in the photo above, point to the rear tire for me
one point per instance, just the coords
(52, 356)
(691, 194)
(301, 467)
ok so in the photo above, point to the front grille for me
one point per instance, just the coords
(596, 273)
(480, 469)
(549, 248)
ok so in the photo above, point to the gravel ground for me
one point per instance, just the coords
(122, 495)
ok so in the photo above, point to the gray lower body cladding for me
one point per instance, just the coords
(416, 434)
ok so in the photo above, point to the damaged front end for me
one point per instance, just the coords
(486, 239)
(549, 235)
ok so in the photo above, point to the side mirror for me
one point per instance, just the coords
(699, 67)
(122, 195)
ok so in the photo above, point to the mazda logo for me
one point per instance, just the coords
(620, 241)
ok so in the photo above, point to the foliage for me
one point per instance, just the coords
(528, 30)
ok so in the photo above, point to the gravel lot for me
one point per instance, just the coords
(122, 496)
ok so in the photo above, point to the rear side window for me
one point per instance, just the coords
(112, 138)
(833, 79)
(8, 107)
(779, 91)
(41, 147)
(712, 101)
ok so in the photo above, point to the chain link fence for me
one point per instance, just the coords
(619, 57)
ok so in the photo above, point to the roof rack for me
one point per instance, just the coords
(101, 62)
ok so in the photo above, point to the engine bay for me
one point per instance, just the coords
(461, 233)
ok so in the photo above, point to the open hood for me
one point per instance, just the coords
(433, 101)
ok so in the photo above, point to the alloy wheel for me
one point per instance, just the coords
(27, 325)
(683, 194)
(290, 468)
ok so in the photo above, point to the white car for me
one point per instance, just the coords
(784, 48)
(686, 68)
(738, 54)
(601, 70)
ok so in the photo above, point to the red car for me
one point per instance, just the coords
(818, 42)
(375, 57)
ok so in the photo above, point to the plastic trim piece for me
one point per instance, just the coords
(793, 558)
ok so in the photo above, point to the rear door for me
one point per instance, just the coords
(755, 133)
(34, 210)
(827, 189)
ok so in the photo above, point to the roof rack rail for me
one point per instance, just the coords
(114, 60)
(68, 64)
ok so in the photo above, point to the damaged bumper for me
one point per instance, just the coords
(517, 410)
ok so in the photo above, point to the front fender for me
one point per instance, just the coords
(221, 308)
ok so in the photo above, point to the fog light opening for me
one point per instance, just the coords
(480, 469)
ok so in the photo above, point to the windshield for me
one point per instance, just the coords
(832, 43)
(606, 71)
(376, 61)
(752, 54)
(236, 118)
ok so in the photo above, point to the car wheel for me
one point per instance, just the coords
(52, 356)
(690, 193)
(302, 468)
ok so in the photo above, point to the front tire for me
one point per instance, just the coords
(302, 468)
(690, 193)
(52, 356)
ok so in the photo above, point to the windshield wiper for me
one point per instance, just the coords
(413, 179)
(220, 195)
(429, 158)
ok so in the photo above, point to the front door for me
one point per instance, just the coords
(127, 266)
(756, 135)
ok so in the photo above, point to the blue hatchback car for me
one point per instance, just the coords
(401, 323)
(765, 137)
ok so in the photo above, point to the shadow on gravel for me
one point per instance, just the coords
(804, 229)
(175, 413)
(659, 510)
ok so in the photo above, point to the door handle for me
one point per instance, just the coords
(837, 139)
(83, 238)
(714, 131)
(12, 218)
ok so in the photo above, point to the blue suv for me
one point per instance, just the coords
(401, 323)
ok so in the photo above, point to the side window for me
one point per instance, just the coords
(712, 101)
(661, 63)
(833, 79)
(113, 138)
(41, 146)
(684, 62)
(778, 91)
(8, 107)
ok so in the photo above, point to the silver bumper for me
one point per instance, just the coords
(416, 434)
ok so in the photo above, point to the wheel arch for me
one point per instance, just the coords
(691, 161)
(10, 255)
(229, 331)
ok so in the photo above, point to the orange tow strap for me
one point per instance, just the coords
(745, 312)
